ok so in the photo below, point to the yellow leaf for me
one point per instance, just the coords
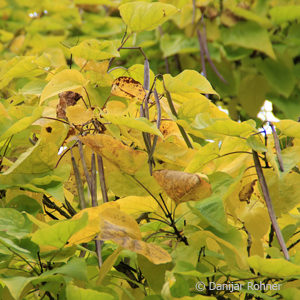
(78, 114)
(124, 231)
(90, 231)
(117, 225)
(135, 205)
(66, 80)
(181, 186)
(289, 128)
(140, 16)
(124, 157)
(188, 81)
(96, 71)
(108, 264)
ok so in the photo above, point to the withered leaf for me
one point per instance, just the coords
(66, 99)
(122, 229)
(127, 87)
(247, 191)
(181, 186)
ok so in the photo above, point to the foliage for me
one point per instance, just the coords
(118, 182)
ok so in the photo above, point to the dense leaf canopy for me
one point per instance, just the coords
(133, 161)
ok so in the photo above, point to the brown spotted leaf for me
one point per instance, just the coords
(129, 88)
(181, 186)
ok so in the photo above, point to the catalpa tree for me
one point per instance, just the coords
(121, 176)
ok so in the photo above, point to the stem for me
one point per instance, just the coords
(78, 182)
(25, 260)
(202, 51)
(268, 201)
(181, 129)
(98, 244)
(158, 122)
(277, 147)
(94, 181)
(102, 178)
(85, 169)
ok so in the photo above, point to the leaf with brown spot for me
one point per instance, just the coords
(127, 87)
(181, 186)
(247, 191)
(124, 157)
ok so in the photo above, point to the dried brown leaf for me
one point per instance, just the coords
(181, 186)
(66, 99)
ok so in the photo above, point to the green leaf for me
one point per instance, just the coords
(141, 124)
(66, 80)
(274, 267)
(24, 203)
(96, 50)
(155, 274)
(33, 87)
(256, 144)
(75, 293)
(57, 235)
(108, 264)
(284, 191)
(248, 35)
(188, 81)
(11, 245)
(16, 285)
(211, 210)
(19, 67)
(75, 268)
(140, 16)
(177, 43)
(214, 127)
(252, 93)
(279, 75)
(35, 169)
(281, 14)
(20, 124)
(251, 16)
(13, 223)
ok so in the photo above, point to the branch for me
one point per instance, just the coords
(268, 201)
(277, 147)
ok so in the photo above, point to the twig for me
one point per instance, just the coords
(52, 205)
(268, 201)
